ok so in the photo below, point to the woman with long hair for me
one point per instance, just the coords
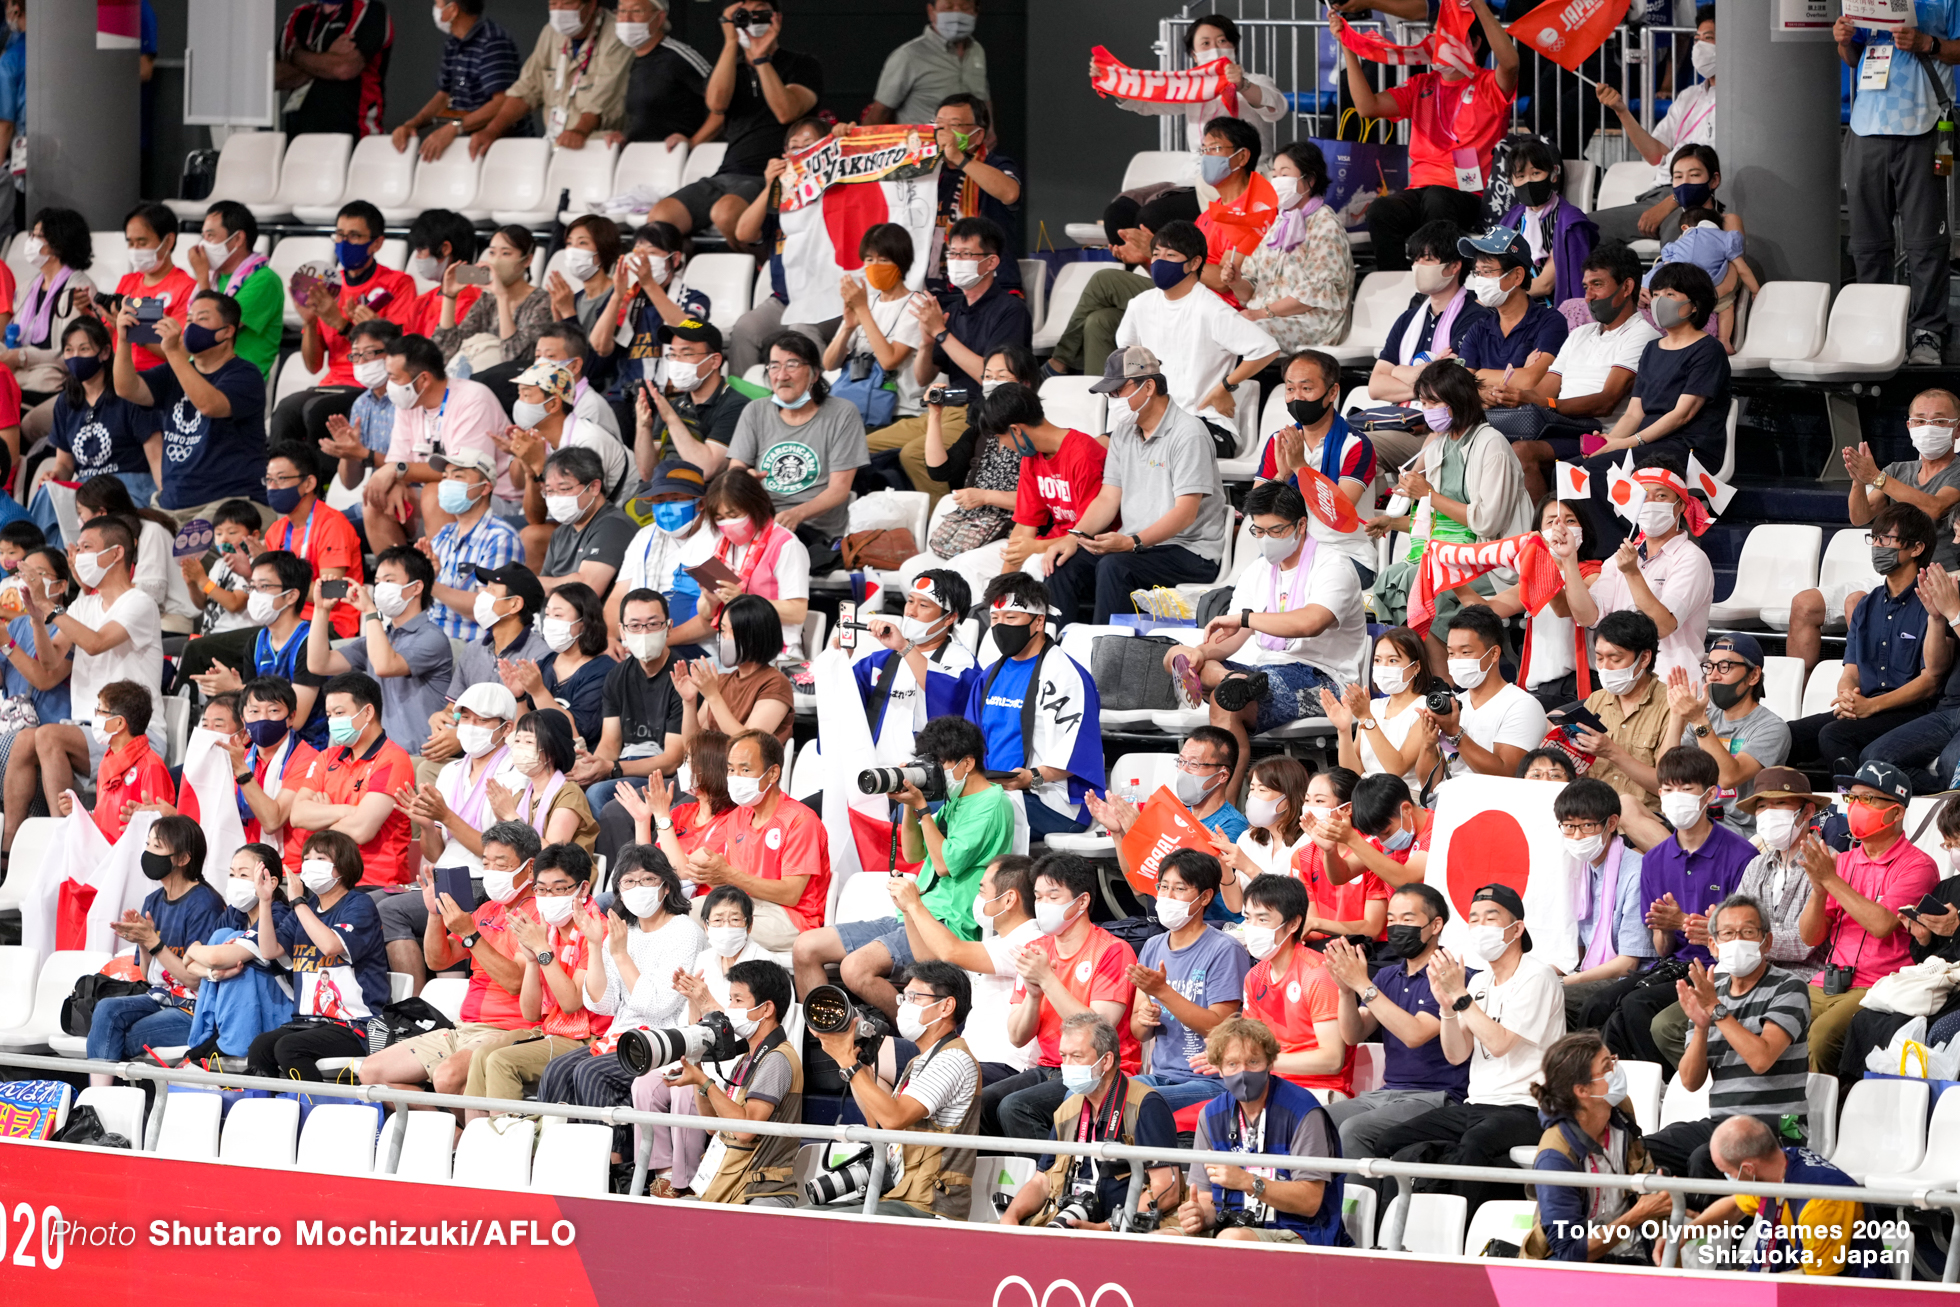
(511, 309)
(35, 693)
(1357, 906)
(240, 996)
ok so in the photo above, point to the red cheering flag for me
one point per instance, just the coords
(1568, 31)
(1449, 44)
(1110, 76)
(1326, 502)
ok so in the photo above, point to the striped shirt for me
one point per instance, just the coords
(1738, 1091)
(477, 66)
(492, 542)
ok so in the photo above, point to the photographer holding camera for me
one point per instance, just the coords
(1261, 1113)
(1491, 723)
(1103, 1104)
(974, 825)
(768, 1083)
(938, 1093)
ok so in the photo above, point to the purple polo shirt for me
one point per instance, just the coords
(1698, 880)
(1423, 1068)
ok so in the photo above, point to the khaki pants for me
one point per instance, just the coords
(1830, 1022)
(1090, 337)
(508, 1071)
(1670, 1031)
(774, 928)
(908, 437)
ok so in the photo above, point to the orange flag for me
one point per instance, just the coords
(1568, 31)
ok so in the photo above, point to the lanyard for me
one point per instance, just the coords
(306, 540)
(749, 560)
(1085, 1125)
(565, 54)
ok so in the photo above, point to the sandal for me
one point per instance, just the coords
(1235, 692)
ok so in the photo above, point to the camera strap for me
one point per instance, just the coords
(1236, 1141)
(1090, 1125)
(740, 1077)
(1028, 698)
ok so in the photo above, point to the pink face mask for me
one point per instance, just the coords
(741, 529)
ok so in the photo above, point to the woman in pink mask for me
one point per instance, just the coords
(765, 558)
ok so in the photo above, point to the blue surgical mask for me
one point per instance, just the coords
(672, 517)
(1400, 840)
(798, 402)
(342, 730)
(1167, 273)
(1215, 168)
(453, 497)
(351, 255)
(1079, 1079)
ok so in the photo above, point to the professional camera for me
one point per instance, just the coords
(951, 396)
(1235, 1218)
(713, 1040)
(841, 1181)
(929, 776)
(829, 1010)
(1084, 1205)
(1146, 1220)
(751, 19)
(1440, 701)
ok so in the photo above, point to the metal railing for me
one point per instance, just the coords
(1405, 1174)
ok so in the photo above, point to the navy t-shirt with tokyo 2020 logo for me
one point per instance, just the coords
(103, 437)
(205, 458)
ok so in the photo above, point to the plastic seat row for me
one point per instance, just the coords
(517, 180)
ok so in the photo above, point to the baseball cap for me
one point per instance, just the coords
(1506, 898)
(1743, 645)
(489, 699)
(1123, 365)
(1887, 778)
(1776, 783)
(479, 459)
(516, 579)
(694, 329)
(550, 376)
(1502, 243)
(675, 476)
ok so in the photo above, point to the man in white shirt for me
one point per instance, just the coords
(1494, 723)
(1005, 910)
(1196, 334)
(598, 426)
(1665, 575)
(1296, 625)
(1501, 1022)
(1690, 120)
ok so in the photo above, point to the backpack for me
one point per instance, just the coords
(78, 1009)
(405, 1020)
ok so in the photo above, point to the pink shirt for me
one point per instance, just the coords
(467, 420)
(1899, 877)
(1680, 577)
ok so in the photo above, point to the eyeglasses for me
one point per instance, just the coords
(922, 1000)
(280, 483)
(793, 365)
(1219, 152)
(563, 488)
(1871, 800)
(1723, 668)
(1580, 829)
(1262, 533)
(642, 628)
(1192, 768)
(1891, 540)
(1730, 936)
(556, 891)
(365, 355)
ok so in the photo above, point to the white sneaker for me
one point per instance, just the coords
(1925, 353)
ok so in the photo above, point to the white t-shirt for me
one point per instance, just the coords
(591, 406)
(1531, 1005)
(1552, 648)
(944, 1085)
(986, 1021)
(901, 327)
(792, 582)
(158, 576)
(1396, 730)
(1272, 859)
(1198, 339)
(1332, 584)
(1511, 716)
(138, 659)
(1689, 121)
(1590, 353)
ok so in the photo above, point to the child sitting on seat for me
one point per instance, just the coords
(1713, 243)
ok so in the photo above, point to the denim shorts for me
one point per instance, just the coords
(1292, 692)
(856, 934)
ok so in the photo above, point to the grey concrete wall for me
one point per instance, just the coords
(81, 117)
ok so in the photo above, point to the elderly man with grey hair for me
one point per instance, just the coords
(1813, 1236)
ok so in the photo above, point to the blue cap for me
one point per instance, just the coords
(1498, 243)
(1741, 643)
(1887, 778)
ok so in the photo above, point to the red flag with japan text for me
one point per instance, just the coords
(1568, 31)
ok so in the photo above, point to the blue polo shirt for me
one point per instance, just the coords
(1424, 1068)
(1418, 311)
(1887, 639)
(1541, 329)
(1698, 881)
(478, 66)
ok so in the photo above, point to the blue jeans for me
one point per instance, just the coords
(1928, 747)
(1180, 1090)
(121, 1027)
(598, 792)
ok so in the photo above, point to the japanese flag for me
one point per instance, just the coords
(1626, 493)
(1719, 492)
(1573, 481)
(1499, 828)
(820, 241)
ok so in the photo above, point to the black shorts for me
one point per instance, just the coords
(699, 197)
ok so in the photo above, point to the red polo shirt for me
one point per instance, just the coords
(1291, 1003)
(399, 309)
(487, 1002)
(792, 842)
(340, 777)
(134, 774)
(325, 539)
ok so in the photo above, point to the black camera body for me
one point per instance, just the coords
(828, 1010)
(1440, 701)
(713, 1039)
(1838, 979)
(1084, 1205)
(1236, 1218)
(928, 775)
(949, 395)
(752, 20)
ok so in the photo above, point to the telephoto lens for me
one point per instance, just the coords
(890, 780)
(842, 1182)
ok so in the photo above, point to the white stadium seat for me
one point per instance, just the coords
(1624, 182)
(376, 172)
(1147, 167)
(1883, 1128)
(1034, 287)
(1001, 1174)
(28, 859)
(260, 1132)
(1823, 686)
(1067, 402)
(1063, 296)
(111, 255)
(451, 181)
(1580, 175)
(703, 161)
(190, 1126)
(1866, 338)
(1434, 1225)
(1787, 321)
(1847, 561)
(586, 172)
(248, 171)
(573, 1159)
(1643, 1092)
(120, 1108)
(1505, 1219)
(1777, 561)
(55, 983)
(1382, 298)
(1940, 1169)
(1821, 1095)
(513, 179)
(428, 1137)
(727, 280)
(338, 1139)
(495, 1153)
(18, 969)
(313, 172)
(1358, 1214)
(1783, 686)
(445, 994)
(649, 166)
(288, 255)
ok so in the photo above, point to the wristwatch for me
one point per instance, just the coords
(1880, 483)
(546, 957)
(1699, 731)
(243, 778)
(1136, 541)
(1367, 724)
(1720, 1012)
(1259, 1187)
(1369, 995)
(1461, 1004)
(663, 823)
(1245, 619)
(469, 940)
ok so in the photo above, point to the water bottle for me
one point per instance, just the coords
(1942, 152)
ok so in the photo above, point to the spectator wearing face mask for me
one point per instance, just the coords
(1713, 242)
(1930, 483)
(278, 583)
(678, 537)
(1607, 906)
(350, 785)
(1282, 805)
(1060, 475)
(699, 418)
(983, 470)
(767, 1085)
(150, 231)
(308, 528)
(1131, 223)
(1187, 981)
(1379, 723)
(1397, 1005)
(131, 773)
(919, 75)
(976, 180)
(641, 705)
(1819, 1236)
(510, 308)
(771, 847)
(1240, 204)
(432, 409)
(805, 447)
(1491, 722)
(1688, 124)
(547, 429)
(588, 542)
(918, 669)
(574, 79)
(1260, 104)
(475, 539)
(406, 651)
(667, 85)
(1560, 235)
(1516, 344)
(93, 430)
(1289, 988)
(1782, 805)
(1320, 438)
(1589, 1129)
(1297, 282)
(1631, 703)
(1428, 329)
(479, 63)
(1928, 747)
(1384, 831)
(358, 440)
(1207, 763)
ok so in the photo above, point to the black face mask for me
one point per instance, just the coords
(1604, 311)
(1011, 640)
(1406, 941)
(1306, 412)
(1533, 194)
(1723, 696)
(157, 865)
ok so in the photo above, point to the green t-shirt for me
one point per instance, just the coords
(262, 301)
(978, 830)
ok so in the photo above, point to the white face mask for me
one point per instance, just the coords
(1262, 811)
(524, 757)
(1682, 810)
(580, 265)
(911, 1022)
(402, 395)
(1486, 943)
(643, 901)
(262, 608)
(1276, 548)
(745, 791)
(1188, 788)
(1702, 56)
(1738, 957)
(435, 12)
(1778, 828)
(1288, 190)
(963, 272)
(371, 373)
(563, 509)
(33, 250)
(1260, 941)
(391, 598)
(241, 893)
(99, 725)
(566, 22)
(980, 913)
(1619, 680)
(1053, 918)
(633, 34)
(527, 415)
(683, 374)
(556, 910)
(143, 260)
(1469, 673)
(476, 740)
(484, 609)
(1489, 291)
(1174, 913)
(1655, 519)
(216, 252)
(1393, 680)
(745, 1022)
(645, 645)
(557, 633)
(426, 268)
(954, 25)
(1587, 850)
(915, 629)
(727, 941)
(90, 569)
(317, 875)
(1930, 441)
(684, 778)
(501, 886)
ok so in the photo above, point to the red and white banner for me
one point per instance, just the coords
(1568, 32)
(1110, 76)
(1448, 44)
(839, 188)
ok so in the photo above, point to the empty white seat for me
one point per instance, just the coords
(1777, 561)
(1940, 1168)
(338, 1139)
(1866, 338)
(428, 1137)
(25, 867)
(651, 167)
(1783, 686)
(1821, 1100)
(1624, 182)
(1822, 690)
(18, 970)
(512, 177)
(1680, 1103)
(110, 249)
(1146, 167)
(1358, 1214)
(495, 1153)
(450, 181)
(1003, 1174)
(314, 172)
(55, 983)
(248, 171)
(1787, 321)
(703, 161)
(376, 172)
(120, 1108)
(1067, 402)
(1034, 285)
(1380, 301)
(294, 376)
(1882, 1130)
(586, 172)
(727, 280)
(1643, 1092)
(260, 1132)
(1506, 1219)
(1846, 567)
(445, 994)
(400, 986)
(190, 1126)
(1434, 1223)
(1063, 296)
(1580, 174)
(574, 1157)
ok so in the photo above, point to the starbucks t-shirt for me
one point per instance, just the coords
(795, 462)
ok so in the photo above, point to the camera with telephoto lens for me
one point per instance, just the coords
(1440, 701)
(842, 1181)
(949, 395)
(828, 1010)
(713, 1039)
(1083, 1206)
(929, 776)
